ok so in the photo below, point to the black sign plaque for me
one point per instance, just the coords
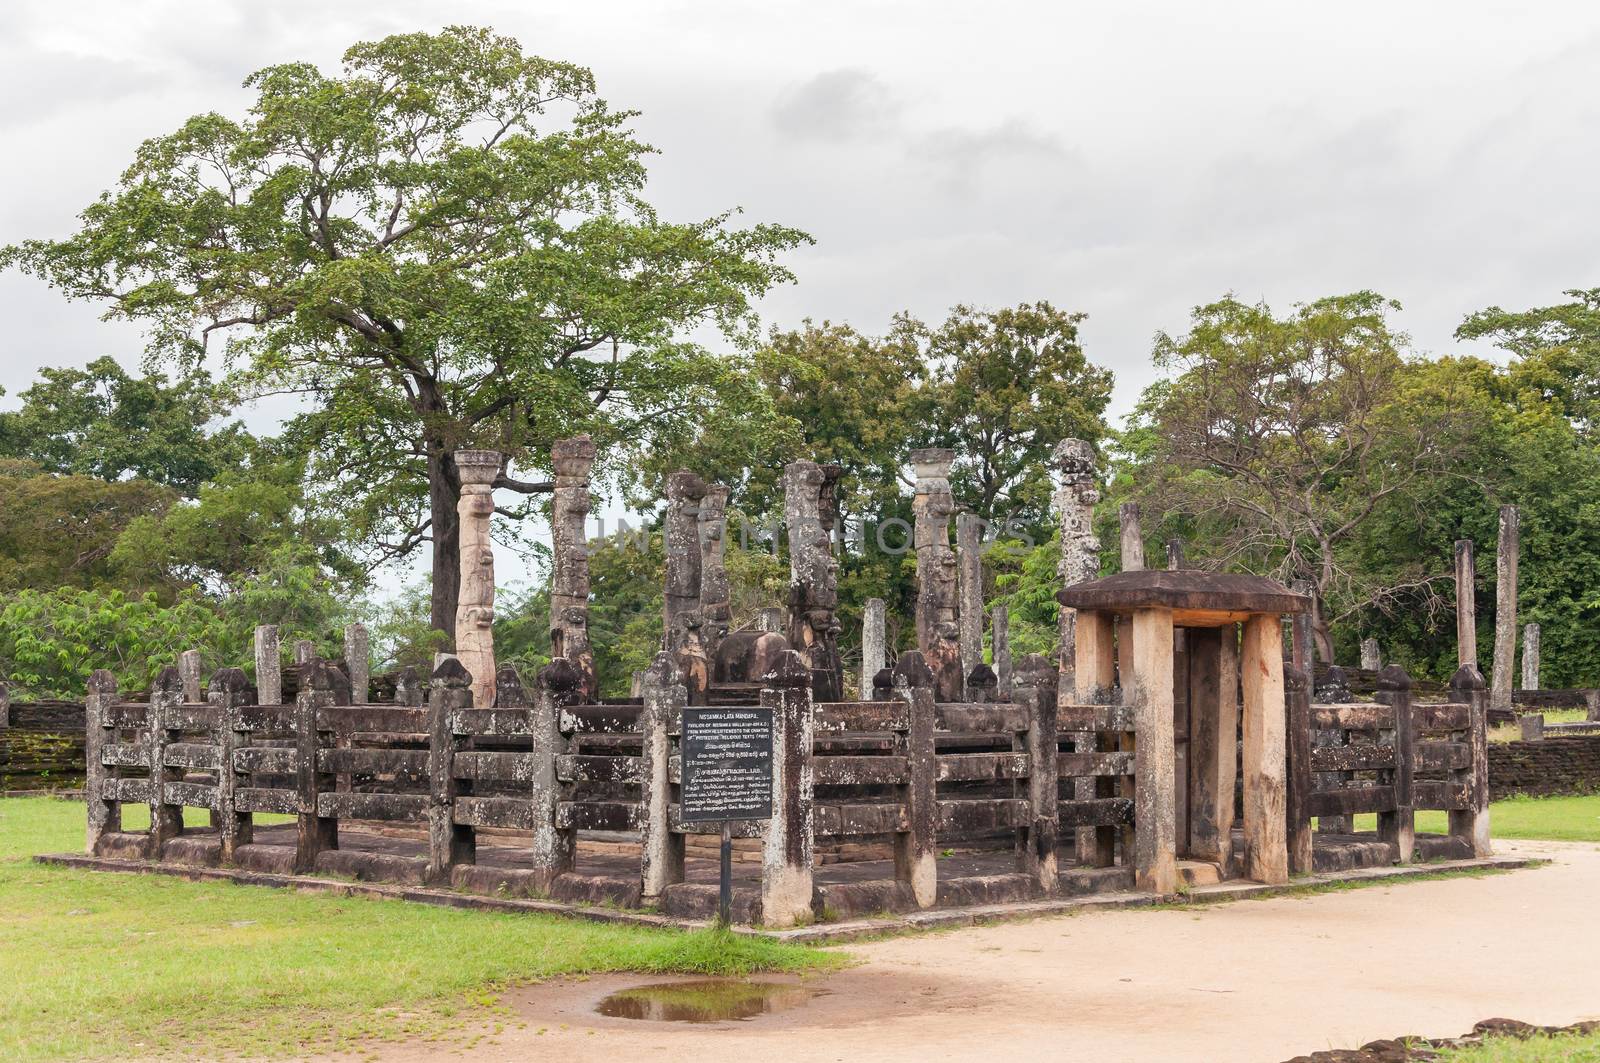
(727, 763)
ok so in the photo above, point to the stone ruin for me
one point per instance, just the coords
(1170, 743)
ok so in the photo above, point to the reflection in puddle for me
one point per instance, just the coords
(706, 1000)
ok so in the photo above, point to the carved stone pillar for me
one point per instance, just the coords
(969, 567)
(569, 583)
(1074, 500)
(813, 598)
(475, 608)
(716, 598)
(937, 602)
(1505, 609)
(828, 516)
(681, 602)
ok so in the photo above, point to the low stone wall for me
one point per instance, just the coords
(41, 760)
(1568, 765)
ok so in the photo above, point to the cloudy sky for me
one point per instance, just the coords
(1128, 160)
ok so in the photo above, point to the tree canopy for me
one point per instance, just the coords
(101, 421)
(444, 245)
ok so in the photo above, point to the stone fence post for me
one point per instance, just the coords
(448, 843)
(314, 833)
(189, 666)
(228, 690)
(554, 848)
(916, 850)
(1472, 824)
(166, 821)
(357, 658)
(105, 817)
(786, 877)
(269, 667)
(662, 848)
(1399, 827)
(1297, 800)
(1035, 687)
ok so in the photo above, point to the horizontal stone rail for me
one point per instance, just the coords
(1393, 757)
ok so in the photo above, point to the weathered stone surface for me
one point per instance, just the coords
(662, 849)
(938, 636)
(1466, 604)
(1371, 657)
(1213, 746)
(1036, 689)
(1397, 826)
(874, 638)
(1074, 501)
(269, 666)
(1264, 751)
(716, 596)
(449, 843)
(681, 533)
(189, 667)
(1199, 598)
(1132, 537)
(786, 855)
(358, 659)
(478, 470)
(1000, 650)
(916, 853)
(969, 556)
(1530, 656)
(553, 848)
(569, 579)
(1154, 841)
(1505, 610)
(813, 574)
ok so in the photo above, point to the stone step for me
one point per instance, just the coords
(1199, 872)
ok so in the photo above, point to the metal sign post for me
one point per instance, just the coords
(727, 776)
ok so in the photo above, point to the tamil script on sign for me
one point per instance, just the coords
(727, 763)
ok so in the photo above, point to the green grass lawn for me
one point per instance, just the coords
(1566, 819)
(99, 964)
(1570, 1048)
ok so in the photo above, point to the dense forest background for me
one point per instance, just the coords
(448, 244)
(142, 519)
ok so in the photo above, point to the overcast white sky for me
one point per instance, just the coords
(1129, 160)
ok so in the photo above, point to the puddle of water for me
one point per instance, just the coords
(705, 1000)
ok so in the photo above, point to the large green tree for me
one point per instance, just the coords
(1279, 438)
(1008, 385)
(102, 421)
(444, 245)
(61, 530)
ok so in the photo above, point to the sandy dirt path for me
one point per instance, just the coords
(1248, 982)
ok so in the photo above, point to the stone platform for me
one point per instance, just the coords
(392, 861)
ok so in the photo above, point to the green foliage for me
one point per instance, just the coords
(403, 635)
(62, 530)
(284, 974)
(1008, 385)
(444, 245)
(240, 524)
(1026, 581)
(50, 642)
(99, 421)
(1275, 440)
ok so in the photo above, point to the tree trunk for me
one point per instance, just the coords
(444, 493)
(1321, 637)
